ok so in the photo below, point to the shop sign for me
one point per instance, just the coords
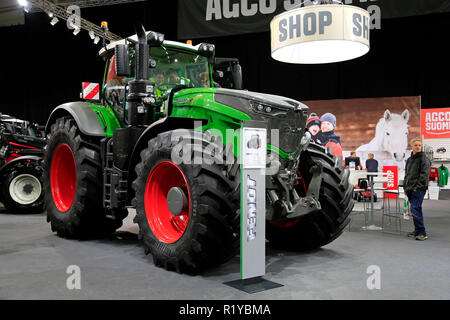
(392, 180)
(320, 34)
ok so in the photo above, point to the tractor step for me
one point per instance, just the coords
(115, 181)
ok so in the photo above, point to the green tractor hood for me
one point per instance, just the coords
(248, 100)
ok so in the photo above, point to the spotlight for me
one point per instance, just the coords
(54, 21)
(26, 6)
(92, 34)
(76, 31)
(96, 40)
(50, 14)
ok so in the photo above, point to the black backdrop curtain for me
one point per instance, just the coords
(43, 66)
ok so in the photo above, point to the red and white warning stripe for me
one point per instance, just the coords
(91, 91)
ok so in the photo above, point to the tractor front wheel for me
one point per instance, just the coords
(186, 218)
(317, 228)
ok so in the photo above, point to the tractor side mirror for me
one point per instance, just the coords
(237, 76)
(122, 60)
(218, 74)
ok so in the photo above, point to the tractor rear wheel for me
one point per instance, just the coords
(22, 190)
(73, 180)
(186, 218)
(320, 227)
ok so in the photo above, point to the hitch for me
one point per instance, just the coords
(311, 202)
(293, 206)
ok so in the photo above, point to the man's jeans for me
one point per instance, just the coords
(416, 199)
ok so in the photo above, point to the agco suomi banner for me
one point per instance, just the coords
(210, 18)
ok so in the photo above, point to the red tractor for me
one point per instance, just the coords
(21, 152)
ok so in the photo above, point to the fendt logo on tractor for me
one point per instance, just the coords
(251, 203)
(104, 156)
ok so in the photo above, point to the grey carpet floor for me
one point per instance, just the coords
(34, 262)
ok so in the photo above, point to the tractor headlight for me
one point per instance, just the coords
(207, 49)
(267, 110)
(155, 37)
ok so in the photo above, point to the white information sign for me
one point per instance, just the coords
(254, 140)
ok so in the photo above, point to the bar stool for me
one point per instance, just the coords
(397, 214)
(381, 180)
(365, 211)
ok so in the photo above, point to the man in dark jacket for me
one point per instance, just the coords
(415, 186)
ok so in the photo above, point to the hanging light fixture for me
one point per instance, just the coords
(320, 33)
(25, 4)
(54, 21)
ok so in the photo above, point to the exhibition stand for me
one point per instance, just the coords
(253, 143)
(435, 130)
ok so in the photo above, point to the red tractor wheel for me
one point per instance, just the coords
(167, 202)
(73, 177)
(187, 219)
(63, 177)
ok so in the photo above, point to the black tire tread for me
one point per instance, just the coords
(215, 230)
(321, 227)
(86, 218)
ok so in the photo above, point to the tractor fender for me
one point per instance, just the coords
(83, 115)
(162, 125)
(16, 160)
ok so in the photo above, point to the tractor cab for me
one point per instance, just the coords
(171, 65)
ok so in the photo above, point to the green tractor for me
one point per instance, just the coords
(164, 139)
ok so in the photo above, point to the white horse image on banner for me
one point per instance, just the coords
(390, 142)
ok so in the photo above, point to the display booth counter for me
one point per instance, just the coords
(383, 180)
(390, 179)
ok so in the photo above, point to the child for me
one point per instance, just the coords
(327, 135)
(313, 126)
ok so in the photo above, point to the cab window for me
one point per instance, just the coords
(114, 90)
